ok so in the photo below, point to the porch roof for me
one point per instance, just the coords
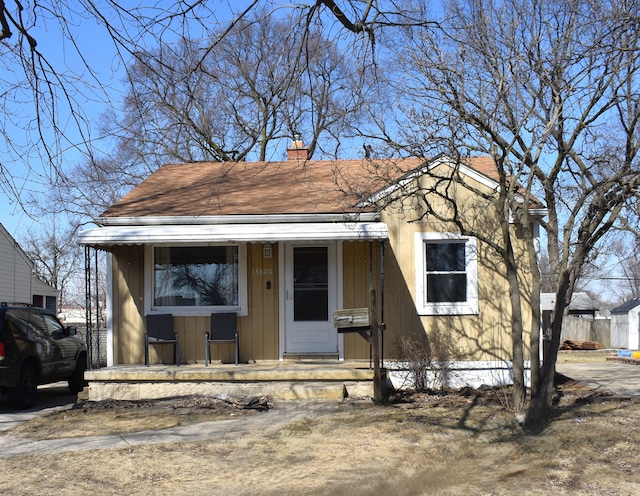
(232, 233)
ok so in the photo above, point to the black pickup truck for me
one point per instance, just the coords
(35, 348)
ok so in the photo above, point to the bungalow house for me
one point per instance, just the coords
(285, 244)
(17, 282)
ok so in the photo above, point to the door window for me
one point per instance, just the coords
(311, 283)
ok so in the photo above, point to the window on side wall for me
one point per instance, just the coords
(194, 280)
(446, 274)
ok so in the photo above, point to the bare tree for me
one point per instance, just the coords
(237, 91)
(223, 99)
(625, 282)
(51, 70)
(625, 251)
(549, 91)
(258, 84)
(85, 190)
(57, 258)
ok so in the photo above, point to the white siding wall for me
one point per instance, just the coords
(15, 271)
(625, 330)
(634, 325)
(620, 330)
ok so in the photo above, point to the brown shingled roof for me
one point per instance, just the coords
(245, 188)
(266, 188)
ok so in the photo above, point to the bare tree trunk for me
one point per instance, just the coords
(536, 289)
(517, 327)
(538, 411)
(535, 336)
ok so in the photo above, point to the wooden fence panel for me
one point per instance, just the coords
(579, 329)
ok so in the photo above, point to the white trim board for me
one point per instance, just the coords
(232, 233)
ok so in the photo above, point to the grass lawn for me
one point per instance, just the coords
(463, 443)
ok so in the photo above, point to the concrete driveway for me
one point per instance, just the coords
(618, 378)
(51, 397)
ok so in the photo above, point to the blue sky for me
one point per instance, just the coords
(100, 53)
(95, 47)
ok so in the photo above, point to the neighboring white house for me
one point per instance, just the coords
(625, 325)
(72, 315)
(17, 282)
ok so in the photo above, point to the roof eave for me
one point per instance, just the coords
(238, 219)
(231, 233)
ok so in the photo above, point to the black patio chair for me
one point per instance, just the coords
(224, 330)
(160, 331)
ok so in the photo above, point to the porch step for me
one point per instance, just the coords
(290, 381)
(310, 357)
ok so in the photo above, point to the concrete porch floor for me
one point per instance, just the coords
(281, 380)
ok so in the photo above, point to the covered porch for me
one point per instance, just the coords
(283, 281)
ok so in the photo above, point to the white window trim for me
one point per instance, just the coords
(242, 309)
(469, 307)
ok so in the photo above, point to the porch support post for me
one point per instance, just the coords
(383, 326)
(378, 391)
(97, 296)
(87, 307)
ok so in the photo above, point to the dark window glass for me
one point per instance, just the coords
(445, 257)
(446, 287)
(311, 283)
(19, 324)
(31, 322)
(53, 325)
(446, 272)
(196, 276)
(51, 303)
(36, 318)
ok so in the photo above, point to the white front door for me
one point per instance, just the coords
(310, 298)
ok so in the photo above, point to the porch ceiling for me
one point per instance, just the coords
(233, 233)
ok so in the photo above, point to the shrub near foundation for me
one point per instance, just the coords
(428, 363)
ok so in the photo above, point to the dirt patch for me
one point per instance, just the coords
(100, 418)
(88, 418)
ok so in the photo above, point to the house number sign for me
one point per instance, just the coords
(260, 271)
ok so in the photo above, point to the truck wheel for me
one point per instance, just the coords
(76, 381)
(24, 394)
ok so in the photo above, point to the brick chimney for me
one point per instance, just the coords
(297, 150)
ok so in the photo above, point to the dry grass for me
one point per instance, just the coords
(578, 356)
(453, 445)
(116, 418)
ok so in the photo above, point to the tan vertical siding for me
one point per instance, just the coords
(357, 273)
(401, 318)
(259, 330)
(191, 332)
(352, 260)
(486, 336)
(128, 304)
